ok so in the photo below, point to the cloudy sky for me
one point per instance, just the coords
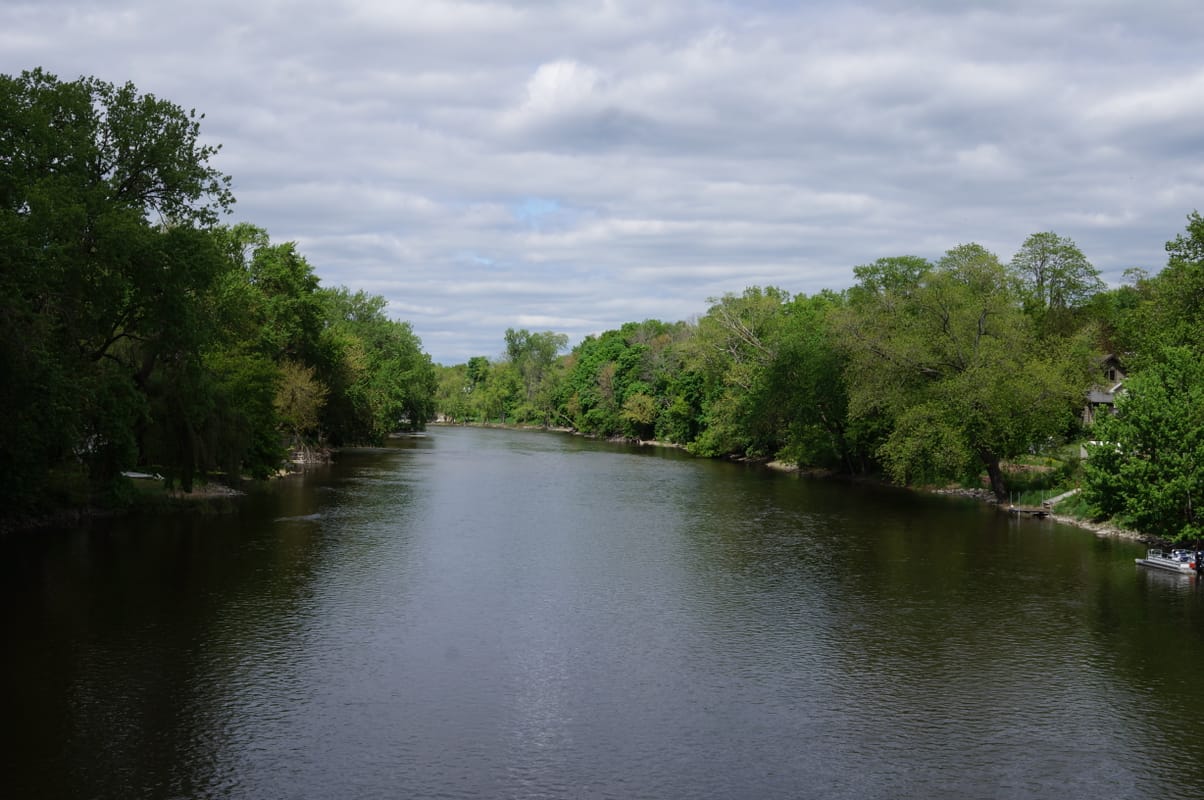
(571, 166)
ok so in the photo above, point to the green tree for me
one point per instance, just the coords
(1118, 313)
(106, 201)
(1055, 279)
(300, 398)
(533, 356)
(1054, 273)
(500, 393)
(380, 380)
(605, 372)
(286, 302)
(639, 413)
(954, 366)
(1174, 313)
(733, 349)
(1148, 464)
(893, 275)
(476, 370)
(452, 392)
(806, 384)
(242, 430)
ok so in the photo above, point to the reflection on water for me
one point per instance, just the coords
(481, 613)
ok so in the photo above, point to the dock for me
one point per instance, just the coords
(1040, 512)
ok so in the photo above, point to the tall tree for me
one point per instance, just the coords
(954, 366)
(1174, 315)
(381, 381)
(1055, 278)
(806, 383)
(533, 356)
(733, 347)
(287, 302)
(106, 201)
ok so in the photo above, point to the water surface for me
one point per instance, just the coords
(499, 614)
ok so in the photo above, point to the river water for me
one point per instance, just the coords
(498, 614)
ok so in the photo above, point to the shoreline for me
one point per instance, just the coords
(1101, 529)
(211, 491)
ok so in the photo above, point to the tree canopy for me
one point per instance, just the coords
(1147, 466)
(137, 331)
(1054, 274)
(951, 361)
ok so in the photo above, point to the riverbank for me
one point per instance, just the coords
(145, 493)
(1099, 528)
(1103, 528)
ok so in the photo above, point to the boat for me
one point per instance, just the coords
(1184, 561)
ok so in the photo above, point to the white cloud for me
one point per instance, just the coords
(1175, 101)
(560, 87)
(486, 165)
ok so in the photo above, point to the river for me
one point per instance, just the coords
(483, 613)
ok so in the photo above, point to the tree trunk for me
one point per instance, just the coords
(995, 473)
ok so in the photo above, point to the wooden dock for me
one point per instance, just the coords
(1040, 512)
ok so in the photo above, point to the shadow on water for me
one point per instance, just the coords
(125, 635)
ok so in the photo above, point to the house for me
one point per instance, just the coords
(1102, 396)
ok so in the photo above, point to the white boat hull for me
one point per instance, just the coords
(1181, 561)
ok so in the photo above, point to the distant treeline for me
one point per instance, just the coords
(923, 372)
(138, 333)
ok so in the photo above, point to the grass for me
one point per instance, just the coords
(1077, 507)
(1035, 478)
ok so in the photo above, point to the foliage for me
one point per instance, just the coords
(1116, 316)
(105, 201)
(532, 357)
(136, 332)
(1173, 316)
(733, 348)
(299, 399)
(806, 386)
(452, 390)
(1148, 464)
(242, 430)
(628, 383)
(1055, 278)
(382, 380)
(286, 304)
(955, 366)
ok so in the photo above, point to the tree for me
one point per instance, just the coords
(622, 383)
(299, 400)
(592, 401)
(732, 349)
(1055, 278)
(380, 380)
(533, 356)
(452, 391)
(894, 274)
(1174, 315)
(639, 413)
(1117, 315)
(500, 393)
(1148, 464)
(806, 384)
(287, 304)
(106, 204)
(458, 392)
(952, 364)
